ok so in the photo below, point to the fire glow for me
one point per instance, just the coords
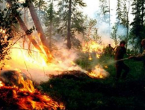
(21, 94)
(98, 72)
(34, 63)
(92, 46)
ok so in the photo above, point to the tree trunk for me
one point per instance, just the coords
(69, 27)
(109, 19)
(39, 29)
(127, 25)
(51, 26)
(50, 36)
(24, 27)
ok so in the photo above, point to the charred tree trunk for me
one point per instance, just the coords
(69, 26)
(39, 29)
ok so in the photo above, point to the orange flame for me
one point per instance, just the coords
(28, 97)
(1, 84)
(98, 72)
(92, 47)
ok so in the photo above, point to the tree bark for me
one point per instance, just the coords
(69, 27)
(51, 26)
(39, 29)
(24, 27)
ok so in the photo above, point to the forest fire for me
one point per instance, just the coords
(95, 49)
(21, 59)
(17, 92)
(92, 47)
(34, 62)
(98, 72)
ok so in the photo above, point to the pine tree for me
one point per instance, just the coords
(67, 12)
(123, 8)
(49, 20)
(105, 9)
(138, 26)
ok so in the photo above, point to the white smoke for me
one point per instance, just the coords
(33, 65)
(122, 31)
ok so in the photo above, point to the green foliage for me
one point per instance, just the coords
(76, 16)
(84, 61)
(138, 10)
(77, 23)
(104, 6)
(92, 94)
(7, 22)
(123, 10)
(114, 34)
(40, 3)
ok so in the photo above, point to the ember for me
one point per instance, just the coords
(16, 97)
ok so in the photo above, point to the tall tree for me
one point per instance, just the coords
(105, 9)
(41, 4)
(119, 10)
(138, 26)
(68, 9)
(114, 33)
(69, 25)
(123, 11)
(49, 21)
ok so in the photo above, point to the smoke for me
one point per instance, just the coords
(33, 65)
(122, 31)
(104, 32)
(105, 29)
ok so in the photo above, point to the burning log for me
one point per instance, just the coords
(24, 97)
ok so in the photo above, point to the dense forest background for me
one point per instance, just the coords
(62, 21)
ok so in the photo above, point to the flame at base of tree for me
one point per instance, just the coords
(47, 56)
